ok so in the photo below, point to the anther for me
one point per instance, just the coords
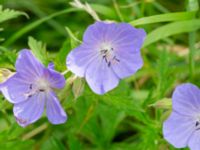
(104, 51)
(104, 57)
(115, 58)
(109, 63)
(41, 90)
(197, 123)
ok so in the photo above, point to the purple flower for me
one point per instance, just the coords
(182, 128)
(31, 89)
(109, 52)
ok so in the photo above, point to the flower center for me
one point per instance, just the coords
(108, 54)
(41, 85)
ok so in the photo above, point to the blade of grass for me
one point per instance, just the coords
(116, 6)
(192, 39)
(172, 29)
(160, 7)
(192, 6)
(178, 16)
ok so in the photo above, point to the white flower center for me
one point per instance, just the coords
(106, 46)
(108, 54)
(41, 85)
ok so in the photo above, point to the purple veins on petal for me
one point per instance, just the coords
(182, 128)
(194, 141)
(54, 110)
(113, 48)
(177, 129)
(186, 99)
(100, 77)
(28, 66)
(31, 88)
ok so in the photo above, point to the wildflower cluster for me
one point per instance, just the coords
(109, 52)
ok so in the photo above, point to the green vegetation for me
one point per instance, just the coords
(129, 117)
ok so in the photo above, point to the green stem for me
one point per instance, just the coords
(65, 72)
(35, 132)
(193, 5)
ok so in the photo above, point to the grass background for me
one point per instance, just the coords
(129, 117)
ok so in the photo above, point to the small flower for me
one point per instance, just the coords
(182, 128)
(31, 89)
(109, 52)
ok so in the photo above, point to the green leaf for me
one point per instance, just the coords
(124, 103)
(178, 16)
(7, 14)
(172, 29)
(39, 49)
(17, 145)
(60, 60)
(7, 59)
(53, 143)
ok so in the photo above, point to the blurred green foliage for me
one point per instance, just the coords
(129, 117)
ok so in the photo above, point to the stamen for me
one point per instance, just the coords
(104, 57)
(107, 54)
(104, 51)
(109, 63)
(41, 90)
(115, 58)
(197, 123)
(29, 96)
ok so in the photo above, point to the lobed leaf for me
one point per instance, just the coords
(39, 49)
(7, 14)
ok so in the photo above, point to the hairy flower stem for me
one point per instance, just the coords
(65, 72)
